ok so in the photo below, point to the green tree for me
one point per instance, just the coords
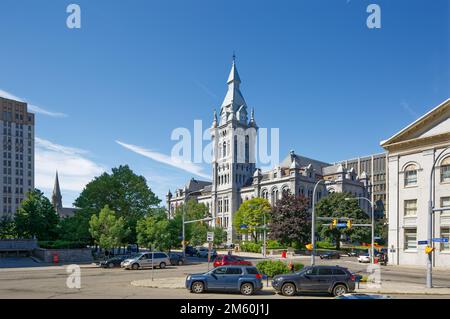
(335, 205)
(157, 231)
(195, 233)
(220, 235)
(7, 227)
(123, 191)
(291, 221)
(36, 217)
(107, 230)
(251, 214)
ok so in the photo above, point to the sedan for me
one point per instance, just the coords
(364, 258)
(113, 262)
(246, 280)
(176, 259)
(225, 260)
(330, 255)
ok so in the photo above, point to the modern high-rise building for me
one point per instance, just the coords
(376, 169)
(17, 154)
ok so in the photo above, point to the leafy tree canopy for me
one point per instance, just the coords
(36, 217)
(126, 193)
(291, 221)
(251, 215)
(107, 230)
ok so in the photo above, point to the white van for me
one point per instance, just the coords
(144, 260)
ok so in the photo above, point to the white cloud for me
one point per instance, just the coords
(31, 107)
(165, 159)
(74, 168)
(37, 109)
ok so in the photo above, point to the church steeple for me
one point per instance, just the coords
(234, 99)
(56, 196)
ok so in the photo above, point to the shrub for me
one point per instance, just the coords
(272, 268)
(275, 244)
(248, 246)
(62, 244)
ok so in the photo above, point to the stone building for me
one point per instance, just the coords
(412, 153)
(235, 177)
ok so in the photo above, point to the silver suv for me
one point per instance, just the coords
(144, 260)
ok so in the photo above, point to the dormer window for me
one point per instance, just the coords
(411, 175)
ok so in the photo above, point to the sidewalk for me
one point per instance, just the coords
(403, 288)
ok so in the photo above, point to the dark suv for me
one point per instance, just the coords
(327, 279)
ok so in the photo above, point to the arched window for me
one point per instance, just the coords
(265, 194)
(410, 175)
(445, 170)
(274, 197)
(224, 153)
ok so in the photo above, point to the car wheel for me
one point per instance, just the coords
(247, 289)
(180, 262)
(288, 289)
(197, 287)
(339, 290)
(162, 265)
(135, 266)
(111, 265)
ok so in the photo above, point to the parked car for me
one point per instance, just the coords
(245, 279)
(335, 280)
(330, 255)
(145, 260)
(225, 260)
(202, 252)
(190, 251)
(176, 259)
(364, 258)
(113, 262)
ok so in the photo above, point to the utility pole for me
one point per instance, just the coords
(313, 223)
(372, 214)
(431, 211)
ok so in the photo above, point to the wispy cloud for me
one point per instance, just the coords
(165, 159)
(206, 90)
(75, 169)
(31, 107)
(405, 105)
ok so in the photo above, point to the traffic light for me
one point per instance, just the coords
(309, 247)
(333, 223)
(429, 250)
(349, 224)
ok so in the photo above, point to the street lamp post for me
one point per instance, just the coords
(313, 224)
(430, 222)
(372, 215)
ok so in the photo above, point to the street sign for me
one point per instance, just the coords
(210, 237)
(341, 225)
(422, 242)
(243, 226)
(440, 240)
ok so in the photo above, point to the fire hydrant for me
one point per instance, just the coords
(283, 254)
(55, 258)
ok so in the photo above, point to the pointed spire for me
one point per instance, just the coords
(234, 75)
(233, 99)
(56, 196)
(214, 125)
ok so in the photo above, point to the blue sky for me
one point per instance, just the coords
(137, 70)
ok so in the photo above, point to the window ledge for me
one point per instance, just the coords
(414, 251)
(411, 186)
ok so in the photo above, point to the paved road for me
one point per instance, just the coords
(50, 282)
